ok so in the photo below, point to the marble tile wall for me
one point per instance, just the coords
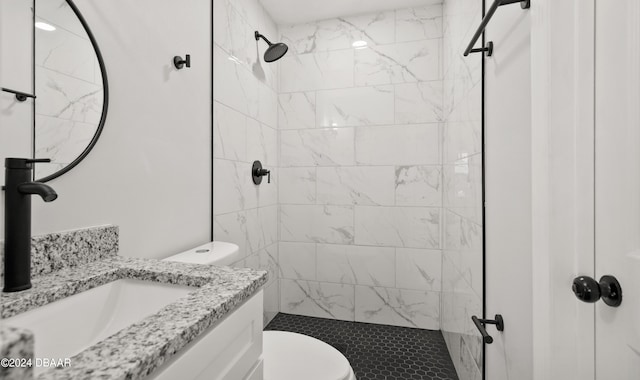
(68, 85)
(245, 130)
(361, 176)
(462, 282)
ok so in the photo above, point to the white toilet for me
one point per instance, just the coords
(291, 356)
(286, 355)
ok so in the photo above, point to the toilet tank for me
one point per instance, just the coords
(212, 253)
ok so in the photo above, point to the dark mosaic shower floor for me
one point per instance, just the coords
(378, 352)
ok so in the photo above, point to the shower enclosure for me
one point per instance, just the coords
(371, 127)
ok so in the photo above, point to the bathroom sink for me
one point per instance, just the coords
(68, 326)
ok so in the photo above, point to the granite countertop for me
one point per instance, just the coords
(139, 349)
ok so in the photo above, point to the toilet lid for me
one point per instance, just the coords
(291, 356)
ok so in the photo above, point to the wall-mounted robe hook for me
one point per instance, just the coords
(179, 63)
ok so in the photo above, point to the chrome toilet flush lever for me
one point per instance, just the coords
(257, 172)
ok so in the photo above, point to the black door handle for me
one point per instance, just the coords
(589, 290)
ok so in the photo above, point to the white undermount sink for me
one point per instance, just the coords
(68, 326)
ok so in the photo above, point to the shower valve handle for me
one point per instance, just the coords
(257, 172)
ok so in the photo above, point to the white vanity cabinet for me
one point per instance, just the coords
(229, 350)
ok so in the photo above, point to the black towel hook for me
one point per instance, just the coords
(179, 63)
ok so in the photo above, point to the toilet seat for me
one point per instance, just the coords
(291, 356)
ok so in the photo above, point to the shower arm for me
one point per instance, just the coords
(259, 36)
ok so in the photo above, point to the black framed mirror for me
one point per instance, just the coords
(71, 86)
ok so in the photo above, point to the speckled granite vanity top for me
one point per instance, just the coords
(139, 349)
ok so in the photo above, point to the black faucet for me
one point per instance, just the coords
(19, 187)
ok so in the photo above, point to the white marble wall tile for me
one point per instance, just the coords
(364, 185)
(232, 228)
(61, 140)
(60, 14)
(232, 32)
(97, 73)
(269, 28)
(462, 181)
(463, 92)
(460, 106)
(234, 190)
(317, 299)
(418, 186)
(303, 38)
(267, 193)
(316, 223)
(297, 110)
(297, 185)
(459, 303)
(461, 233)
(398, 145)
(398, 63)
(257, 232)
(463, 185)
(261, 228)
(317, 71)
(266, 259)
(461, 139)
(271, 302)
(66, 53)
(398, 307)
(235, 86)
(298, 260)
(410, 227)
(419, 102)
(245, 129)
(262, 144)
(463, 247)
(461, 357)
(350, 264)
(340, 33)
(313, 147)
(268, 106)
(66, 97)
(251, 10)
(229, 133)
(234, 25)
(355, 107)
(418, 269)
(419, 23)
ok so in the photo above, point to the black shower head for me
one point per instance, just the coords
(274, 51)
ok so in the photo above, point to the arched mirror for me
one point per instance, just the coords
(72, 95)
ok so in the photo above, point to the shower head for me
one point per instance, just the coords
(274, 51)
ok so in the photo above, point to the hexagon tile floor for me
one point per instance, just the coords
(378, 352)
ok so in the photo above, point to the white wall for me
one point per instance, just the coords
(508, 194)
(563, 127)
(150, 171)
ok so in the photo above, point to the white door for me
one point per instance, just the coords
(617, 186)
